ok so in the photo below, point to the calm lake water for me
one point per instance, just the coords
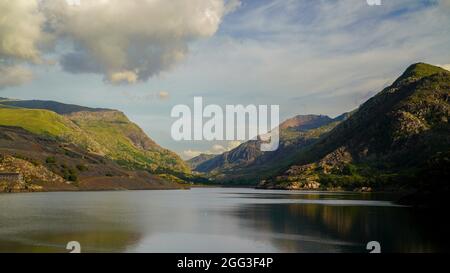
(215, 220)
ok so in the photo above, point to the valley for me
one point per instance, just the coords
(396, 141)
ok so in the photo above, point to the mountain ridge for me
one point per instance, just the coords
(398, 140)
(248, 164)
(387, 142)
(105, 133)
(54, 106)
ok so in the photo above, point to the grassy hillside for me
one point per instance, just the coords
(36, 121)
(48, 124)
(125, 142)
(47, 164)
(104, 132)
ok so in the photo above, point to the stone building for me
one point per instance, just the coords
(11, 178)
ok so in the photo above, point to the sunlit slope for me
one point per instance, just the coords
(398, 138)
(48, 124)
(36, 121)
(126, 142)
(105, 132)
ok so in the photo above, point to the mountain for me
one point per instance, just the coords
(51, 165)
(305, 122)
(195, 161)
(399, 139)
(127, 155)
(57, 107)
(246, 164)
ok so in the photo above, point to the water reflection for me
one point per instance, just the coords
(215, 220)
(322, 228)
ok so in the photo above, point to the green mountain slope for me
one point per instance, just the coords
(104, 132)
(397, 139)
(36, 121)
(49, 124)
(125, 142)
(47, 164)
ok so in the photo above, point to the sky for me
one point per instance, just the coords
(143, 57)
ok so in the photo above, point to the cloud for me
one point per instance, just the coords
(125, 41)
(191, 154)
(232, 5)
(123, 77)
(445, 66)
(215, 149)
(133, 40)
(20, 38)
(445, 3)
(20, 30)
(163, 95)
(323, 54)
(14, 75)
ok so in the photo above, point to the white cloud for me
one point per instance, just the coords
(123, 77)
(191, 154)
(133, 40)
(323, 54)
(14, 75)
(20, 30)
(232, 5)
(125, 41)
(163, 95)
(445, 66)
(445, 3)
(20, 37)
(215, 149)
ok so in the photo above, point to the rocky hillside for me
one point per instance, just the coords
(88, 148)
(126, 143)
(105, 132)
(36, 177)
(400, 138)
(246, 164)
(51, 165)
(305, 122)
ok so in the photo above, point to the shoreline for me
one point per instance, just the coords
(409, 198)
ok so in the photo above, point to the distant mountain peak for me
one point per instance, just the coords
(397, 139)
(305, 122)
(420, 70)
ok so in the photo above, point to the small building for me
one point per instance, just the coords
(11, 177)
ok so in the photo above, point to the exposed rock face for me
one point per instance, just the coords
(305, 122)
(19, 187)
(406, 124)
(105, 132)
(335, 160)
(392, 141)
(32, 175)
(51, 165)
(30, 172)
(93, 148)
(125, 142)
(247, 164)
(307, 177)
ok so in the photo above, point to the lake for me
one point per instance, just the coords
(216, 220)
